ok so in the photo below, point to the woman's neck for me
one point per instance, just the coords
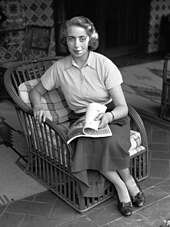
(80, 61)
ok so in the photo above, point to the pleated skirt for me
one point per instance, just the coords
(106, 153)
(95, 155)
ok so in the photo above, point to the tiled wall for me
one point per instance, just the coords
(19, 14)
(40, 12)
(11, 42)
(158, 9)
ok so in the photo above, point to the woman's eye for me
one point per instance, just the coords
(70, 39)
(83, 38)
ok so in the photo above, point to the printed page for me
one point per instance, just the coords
(86, 126)
(93, 110)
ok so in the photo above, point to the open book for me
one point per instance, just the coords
(87, 126)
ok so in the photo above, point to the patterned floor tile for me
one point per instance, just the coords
(160, 168)
(11, 220)
(30, 207)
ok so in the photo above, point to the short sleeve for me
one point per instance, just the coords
(49, 79)
(113, 76)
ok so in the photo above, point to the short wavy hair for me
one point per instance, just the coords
(83, 22)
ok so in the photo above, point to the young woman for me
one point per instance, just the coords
(85, 77)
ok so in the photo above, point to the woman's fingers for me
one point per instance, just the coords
(103, 120)
(99, 117)
(39, 115)
(43, 118)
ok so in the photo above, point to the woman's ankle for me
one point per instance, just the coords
(132, 186)
(123, 194)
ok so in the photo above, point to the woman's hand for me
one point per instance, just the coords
(39, 113)
(35, 97)
(105, 118)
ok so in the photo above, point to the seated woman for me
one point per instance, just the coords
(85, 77)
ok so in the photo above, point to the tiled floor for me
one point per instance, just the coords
(47, 210)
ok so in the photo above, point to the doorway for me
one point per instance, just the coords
(122, 25)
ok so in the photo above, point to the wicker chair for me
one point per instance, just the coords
(49, 158)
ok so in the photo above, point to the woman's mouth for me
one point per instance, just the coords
(77, 51)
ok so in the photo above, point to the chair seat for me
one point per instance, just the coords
(52, 148)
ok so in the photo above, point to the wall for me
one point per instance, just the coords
(19, 14)
(11, 41)
(158, 9)
(40, 12)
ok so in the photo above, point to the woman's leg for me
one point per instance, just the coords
(120, 186)
(137, 196)
(129, 181)
(124, 200)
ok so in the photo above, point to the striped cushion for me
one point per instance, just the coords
(135, 139)
(136, 150)
(53, 102)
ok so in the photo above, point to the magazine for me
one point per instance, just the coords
(87, 126)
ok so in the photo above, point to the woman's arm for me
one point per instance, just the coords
(35, 98)
(120, 110)
(117, 95)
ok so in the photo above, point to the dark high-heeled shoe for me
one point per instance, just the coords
(125, 208)
(139, 199)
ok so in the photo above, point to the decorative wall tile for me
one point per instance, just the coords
(20, 13)
(11, 41)
(38, 12)
(13, 10)
(158, 9)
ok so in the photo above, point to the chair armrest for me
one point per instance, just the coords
(24, 71)
(13, 92)
(47, 140)
(137, 124)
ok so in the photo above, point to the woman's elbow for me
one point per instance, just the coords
(34, 95)
(31, 94)
(126, 110)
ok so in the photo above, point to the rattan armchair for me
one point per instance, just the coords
(50, 157)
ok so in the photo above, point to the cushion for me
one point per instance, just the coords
(135, 139)
(136, 150)
(53, 102)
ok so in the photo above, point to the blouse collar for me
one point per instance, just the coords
(90, 61)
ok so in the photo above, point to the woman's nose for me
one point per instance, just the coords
(77, 42)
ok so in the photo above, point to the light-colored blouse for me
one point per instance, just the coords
(82, 86)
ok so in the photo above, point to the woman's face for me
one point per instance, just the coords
(77, 41)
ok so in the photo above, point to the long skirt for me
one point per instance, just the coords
(95, 155)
